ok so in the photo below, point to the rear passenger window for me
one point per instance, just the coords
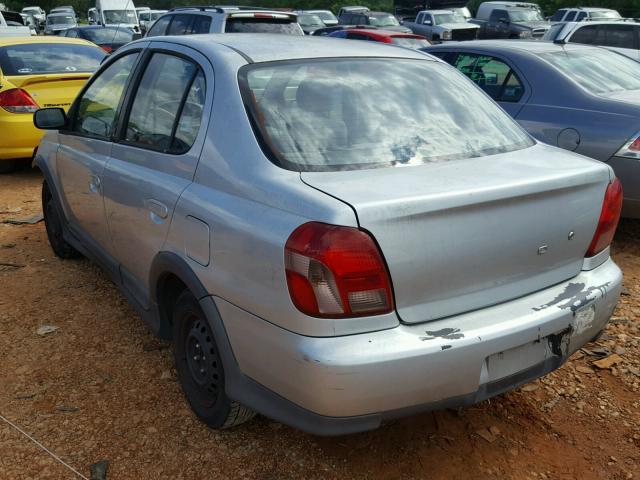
(571, 16)
(581, 16)
(201, 24)
(558, 15)
(180, 25)
(170, 89)
(494, 76)
(586, 34)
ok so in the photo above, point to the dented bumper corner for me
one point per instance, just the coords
(444, 363)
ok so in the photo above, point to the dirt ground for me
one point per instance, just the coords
(101, 387)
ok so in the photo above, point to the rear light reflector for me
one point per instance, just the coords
(631, 149)
(336, 272)
(17, 100)
(609, 217)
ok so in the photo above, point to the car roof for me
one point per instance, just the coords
(440, 10)
(531, 46)
(5, 41)
(264, 47)
(589, 9)
(600, 22)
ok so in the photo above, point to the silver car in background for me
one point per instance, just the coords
(332, 233)
(59, 22)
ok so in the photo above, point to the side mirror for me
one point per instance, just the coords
(50, 118)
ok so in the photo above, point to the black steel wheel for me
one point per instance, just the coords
(200, 368)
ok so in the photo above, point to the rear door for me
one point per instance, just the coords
(154, 160)
(85, 148)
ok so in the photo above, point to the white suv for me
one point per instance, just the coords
(620, 36)
(191, 20)
(580, 14)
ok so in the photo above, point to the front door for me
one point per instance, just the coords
(154, 160)
(85, 148)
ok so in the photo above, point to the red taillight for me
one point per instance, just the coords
(336, 272)
(609, 217)
(635, 145)
(107, 48)
(17, 100)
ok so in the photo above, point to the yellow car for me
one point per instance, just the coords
(38, 72)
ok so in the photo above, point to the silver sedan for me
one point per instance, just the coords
(331, 233)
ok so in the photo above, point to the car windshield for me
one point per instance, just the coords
(604, 14)
(525, 16)
(261, 25)
(144, 16)
(49, 58)
(410, 42)
(310, 21)
(383, 21)
(328, 115)
(109, 35)
(61, 20)
(326, 16)
(448, 18)
(119, 16)
(592, 69)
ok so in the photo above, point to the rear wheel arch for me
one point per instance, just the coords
(170, 276)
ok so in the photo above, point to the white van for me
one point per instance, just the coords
(114, 13)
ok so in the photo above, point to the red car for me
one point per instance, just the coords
(408, 40)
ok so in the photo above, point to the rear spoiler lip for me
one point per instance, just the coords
(53, 77)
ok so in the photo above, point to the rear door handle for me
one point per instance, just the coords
(157, 208)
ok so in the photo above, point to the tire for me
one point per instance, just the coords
(200, 368)
(53, 221)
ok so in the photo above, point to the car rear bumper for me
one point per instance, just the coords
(628, 171)
(19, 136)
(345, 384)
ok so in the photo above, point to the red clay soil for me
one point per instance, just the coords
(101, 387)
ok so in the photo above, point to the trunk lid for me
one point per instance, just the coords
(53, 90)
(462, 235)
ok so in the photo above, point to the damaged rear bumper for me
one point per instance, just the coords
(345, 384)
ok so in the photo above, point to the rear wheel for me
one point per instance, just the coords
(200, 368)
(53, 221)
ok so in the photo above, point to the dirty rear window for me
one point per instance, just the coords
(262, 25)
(49, 58)
(369, 113)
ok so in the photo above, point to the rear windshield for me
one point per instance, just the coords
(325, 15)
(604, 14)
(262, 25)
(591, 68)
(325, 115)
(525, 16)
(49, 58)
(109, 35)
(61, 20)
(383, 20)
(409, 42)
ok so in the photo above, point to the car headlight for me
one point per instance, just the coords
(446, 35)
(525, 34)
